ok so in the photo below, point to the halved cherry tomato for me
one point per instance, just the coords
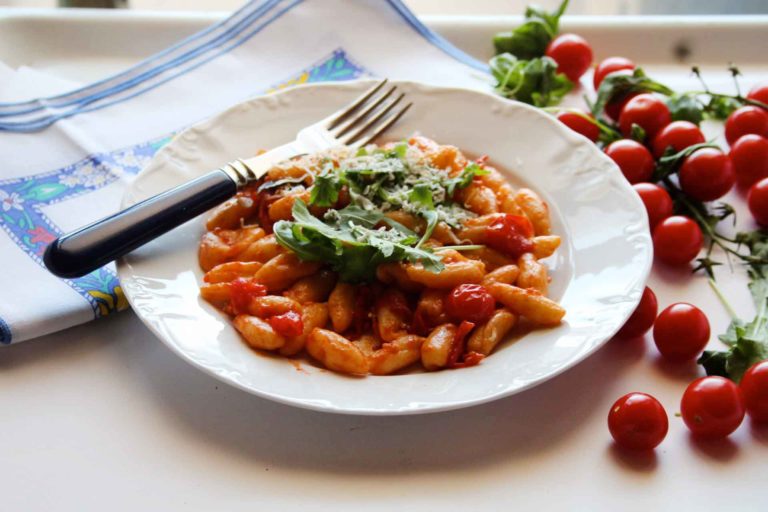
(657, 202)
(470, 302)
(510, 234)
(242, 290)
(749, 119)
(643, 317)
(757, 199)
(288, 324)
(638, 421)
(634, 160)
(572, 54)
(678, 135)
(608, 66)
(646, 111)
(681, 332)
(577, 123)
(712, 407)
(707, 174)
(749, 156)
(677, 240)
(754, 386)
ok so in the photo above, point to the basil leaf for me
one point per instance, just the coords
(530, 40)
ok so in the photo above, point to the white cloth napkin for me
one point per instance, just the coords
(67, 158)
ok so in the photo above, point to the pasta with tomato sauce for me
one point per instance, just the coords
(374, 260)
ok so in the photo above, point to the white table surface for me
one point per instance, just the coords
(104, 417)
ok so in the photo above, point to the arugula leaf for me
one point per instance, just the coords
(269, 185)
(617, 85)
(422, 196)
(685, 107)
(530, 40)
(535, 81)
(350, 242)
(464, 179)
(326, 188)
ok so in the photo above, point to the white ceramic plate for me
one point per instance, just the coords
(598, 274)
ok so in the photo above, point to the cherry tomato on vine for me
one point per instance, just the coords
(577, 123)
(707, 174)
(754, 387)
(681, 332)
(759, 93)
(749, 156)
(511, 235)
(712, 407)
(646, 111)
(749, 119)
(608, 66)
(757, 199)
(643, 317)
(678, 135)
(657, 202)
(677, 240)
(614, 107)
(572, 54)
(471, 302)
(634, 159)
(638, 421)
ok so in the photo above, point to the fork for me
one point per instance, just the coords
(88, 248)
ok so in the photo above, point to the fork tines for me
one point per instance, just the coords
(368, 116)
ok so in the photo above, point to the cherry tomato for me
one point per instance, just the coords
(757, 199)
(638, 421)
(470, 302)
(634, 160)
(288, 324)
(647, 111)
(712, 407)
(759, 93)
(608, 66)
(678, 135)
(577, 123)
(572, 54)
(754, 386)
(242, 290)
(657, 202)
(707, 174)
(614, 107)
(749, 156)
(749, 119)
(643, 317)
(510, 234)
(681, 332)
(677, 240)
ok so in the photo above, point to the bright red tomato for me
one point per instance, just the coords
(749, 119)
(677, 240)
(681, 332)
(657, 202)
(614, 107)
(749, 156)
(678, 135)
(470, 302)
(288, 324)
(646, 111)
(638, 421)
(634, 160)
(643, 317)
(757, 199)
(510, 234)
(577, 123)
(572, 54)
(707, 174)
(712, 407)
(759, 93)
(242, 290)
(608, 66)
(754, 386)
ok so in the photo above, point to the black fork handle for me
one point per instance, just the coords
(80, 252)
